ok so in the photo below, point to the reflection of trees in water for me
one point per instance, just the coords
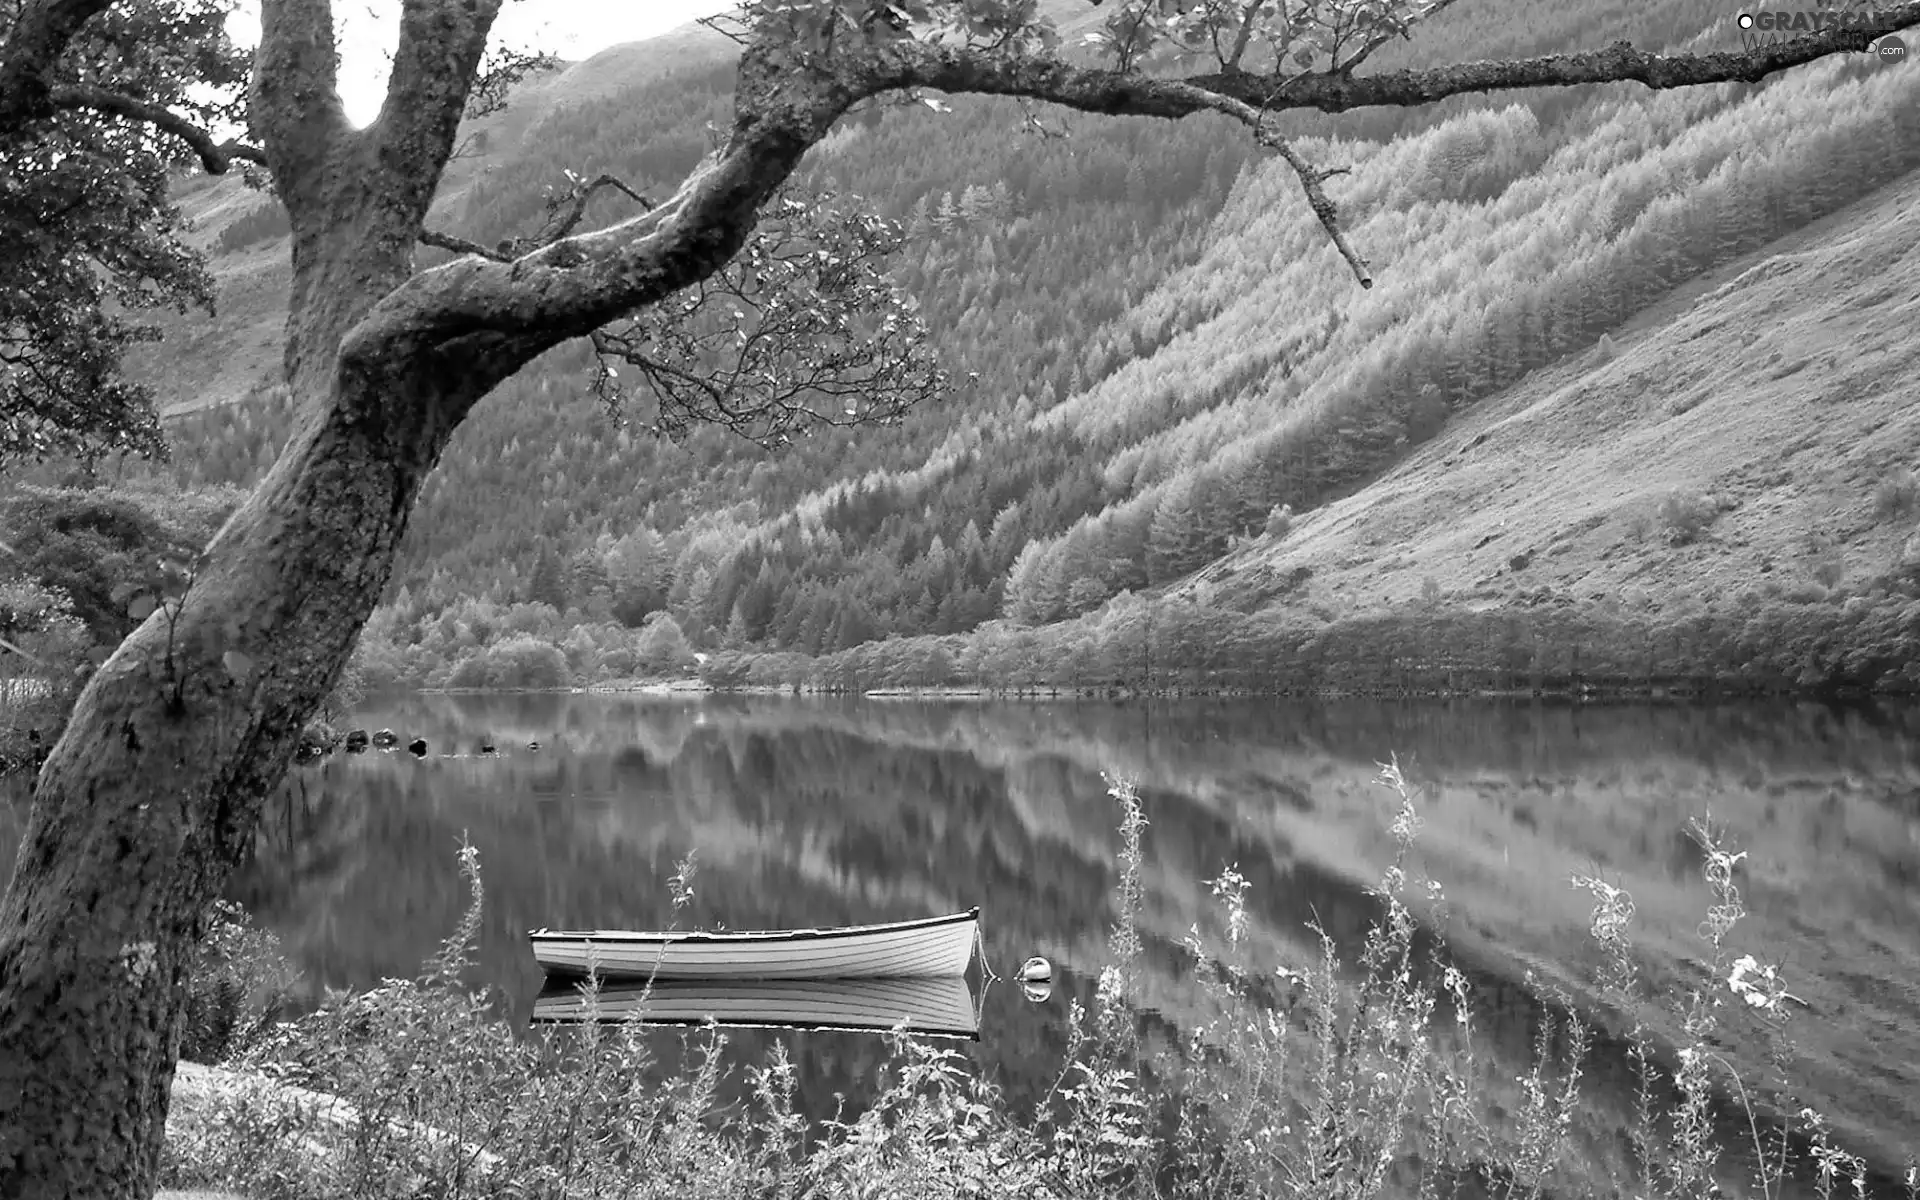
(308, 844)
(1519, 736)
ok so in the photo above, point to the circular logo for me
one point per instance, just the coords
(1889, 50)
(1746, 20)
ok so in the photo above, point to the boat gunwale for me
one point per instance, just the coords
(668, 937)
(824, 1027)
(633, 1000)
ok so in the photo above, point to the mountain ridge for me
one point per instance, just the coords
(1167, 352)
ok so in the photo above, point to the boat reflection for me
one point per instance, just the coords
(935, 1007)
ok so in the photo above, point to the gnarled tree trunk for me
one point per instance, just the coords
(151, 798)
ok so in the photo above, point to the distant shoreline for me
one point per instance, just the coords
(1596, 693)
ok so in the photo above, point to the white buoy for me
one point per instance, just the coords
(1037, 992)
(1036, 970)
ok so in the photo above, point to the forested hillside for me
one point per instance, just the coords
(1158, 359)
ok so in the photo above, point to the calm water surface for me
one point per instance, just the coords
(808, 813)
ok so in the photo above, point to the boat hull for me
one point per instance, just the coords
(942, 1007)
(934, 948)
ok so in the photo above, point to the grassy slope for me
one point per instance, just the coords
(204, 362)
(1782, 385)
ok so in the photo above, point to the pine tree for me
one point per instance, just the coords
(592, 588)
(920, 617)
(1003, 207)
(1175, 541)
(1033, 595)
(755, 602)
(817, 627)
(1007, 536)
(637, 569)
(548, 584)
(975, 205)
(919, 222)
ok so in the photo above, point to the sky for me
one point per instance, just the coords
(572, 29)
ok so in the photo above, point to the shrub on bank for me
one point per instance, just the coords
(240, 985)
(662, 646)
(1320, 1078)
(519, 661)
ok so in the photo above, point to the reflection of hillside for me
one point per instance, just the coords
(1519, 798)
(818, 813)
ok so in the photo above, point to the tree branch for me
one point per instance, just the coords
(783, 107)
(1242, 37)
(1311, 178)
(460, 245)
(1374, 43)
(801, 328)
(295, 98)
(564, 213)
(905, 63)
(1247, 98)
(434, 69)
(30, 657)
(34, 43)
(573, 286)
(215, 157)
(567, 224)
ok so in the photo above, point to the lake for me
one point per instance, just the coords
(809, 812)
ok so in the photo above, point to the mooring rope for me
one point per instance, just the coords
(980, 948)
(986, 969)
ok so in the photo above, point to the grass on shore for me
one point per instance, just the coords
(1362, 1080)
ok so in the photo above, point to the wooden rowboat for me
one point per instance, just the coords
(936, 947)
(942, 1007)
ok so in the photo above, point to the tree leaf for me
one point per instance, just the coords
(238, 665)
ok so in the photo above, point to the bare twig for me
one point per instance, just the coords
(1375, 42)
(578, 207)
(30, 657)
(460, 245)
(803, 329)
(1310, 180)
(564, 214)
(739, 33)
(1311, 177)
